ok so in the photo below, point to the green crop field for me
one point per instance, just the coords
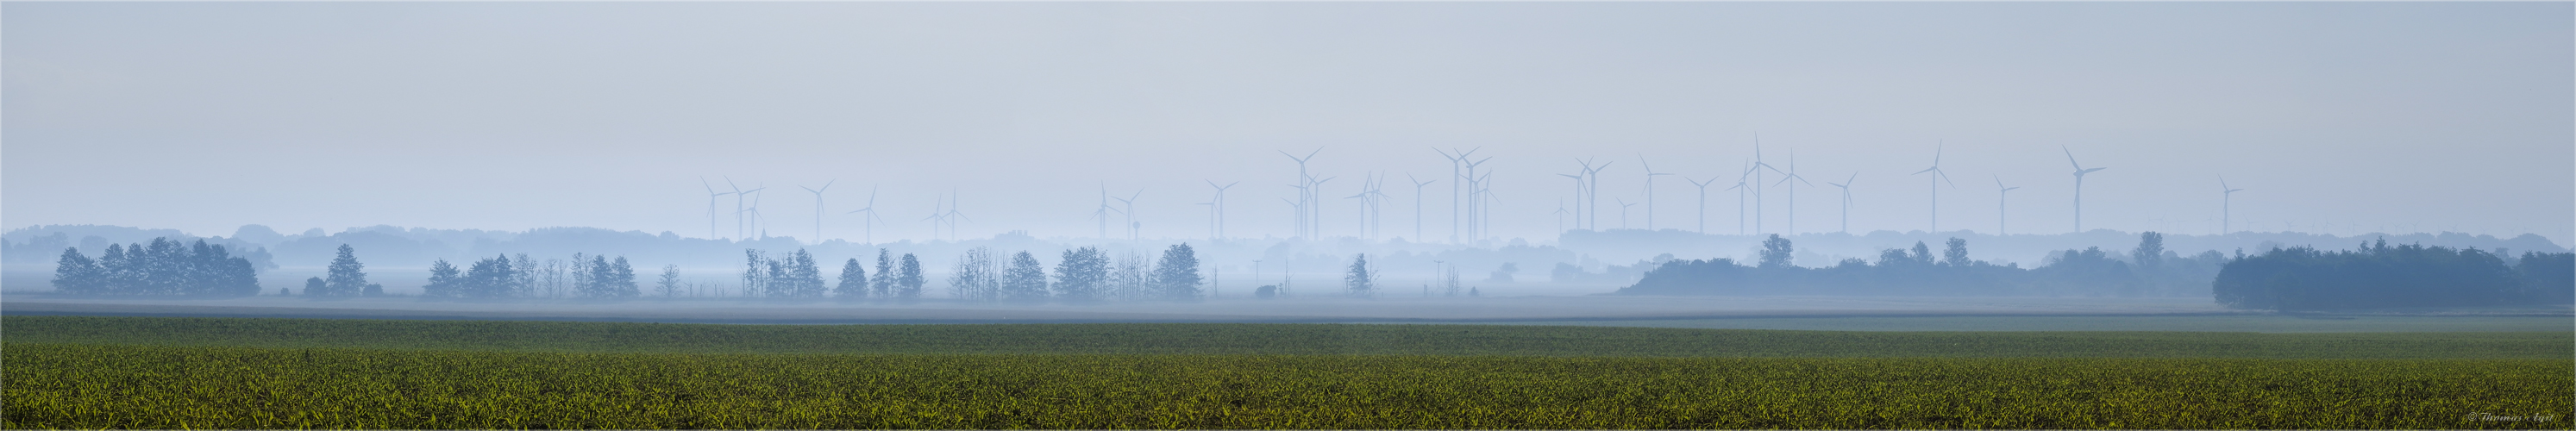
(83, 372)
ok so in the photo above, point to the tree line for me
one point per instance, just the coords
(1084, 275)
(520, 277)
(2148, 270)
(164, 267)
(2378, 275)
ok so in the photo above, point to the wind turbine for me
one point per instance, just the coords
(1650, 189)
(1560, 216)
(711, 206)
(936, 218)
(1102, 212)
(1741, 190)
(738, 198)
(2226, 203)
(754, 211)
(1417, 204)
(1218, 206)
(870, 220)
(1758, 166)
(1793, 189)
(1623, 212)
(1592, 191)
(818, 209)
(1936, 187)
(952, 216)
(1703, 201)
(1578, 198)
(2079, 186)
(1847, 201)
(1475, 207)
(2001, 193)
(1306, 193)
(1457, 184)
(1130, 201)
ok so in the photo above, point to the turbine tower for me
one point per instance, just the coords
(1218, 206)
(1457, 189)
(2079, 186)
(1756, 188)
(1578, 199)
(1475, 206)
(1592, 193)
(711, 206)
(2001, 193)
(1793, 190)
(1130, 201)
(1305, 194)
(1650, 189)
(1936, 187)
(1623, 212)
(1740, 192)
(1847, 201)
(870, 220)
(1703, 201)
(2226, 205)
(818, 209)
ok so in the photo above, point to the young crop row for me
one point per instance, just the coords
(1265, 339)
(130, 386)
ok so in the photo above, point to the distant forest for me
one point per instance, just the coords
(163, 268)
(2377, 275)
(1950, 272)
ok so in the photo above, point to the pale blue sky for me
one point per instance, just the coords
(2343, 117)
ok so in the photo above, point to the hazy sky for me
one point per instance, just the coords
(2342, 117)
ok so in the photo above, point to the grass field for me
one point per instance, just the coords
(80, 372)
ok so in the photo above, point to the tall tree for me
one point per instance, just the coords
(1359, 279)
(77, 274)
(345, 277)
(621, 279)
(442, 281)
(1955, 252)
(808, 277)
(1776, 252)
(1083, 275)
(1025, 281)
(669, 284)
(908, 282)
(854, 281)
(755, 273)
(2150, 254)
(973, 279)
(1176, 277)
(883, 285)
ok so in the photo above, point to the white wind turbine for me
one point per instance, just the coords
(936, 217)
(1475, 203)
(1703, 201)
(2226, 205)
(712, 194)
(952, 216)
(1560, 216)
(1793, 190)
(1578, 198)
(1936, 187)
(869, 221)
(818, 208)
(1847, 201)
(1218, 206)
(1103, 211)
(1457, 190)
(2079, 186)
(739, 196)
(1130, 201)
(1592, 193)
(754, 212)
(1623, 212)
(1650, 189)
(2001, 193)
(1741, 189)
(1756, 186)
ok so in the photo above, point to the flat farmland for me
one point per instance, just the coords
(88, 372)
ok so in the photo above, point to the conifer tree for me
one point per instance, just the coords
(1955, 252)
(77, 274)
(883, 285)
(1082, 276)
(622, 280)
(442, 281)
(808, 277)
(1026, 280)
(345, 277)
(908, 282)
(854, 281)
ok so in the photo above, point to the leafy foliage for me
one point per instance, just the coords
(1917, 271)
(2373, 276)
(164, 268)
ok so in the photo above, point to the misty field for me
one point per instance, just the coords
(90, 372)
